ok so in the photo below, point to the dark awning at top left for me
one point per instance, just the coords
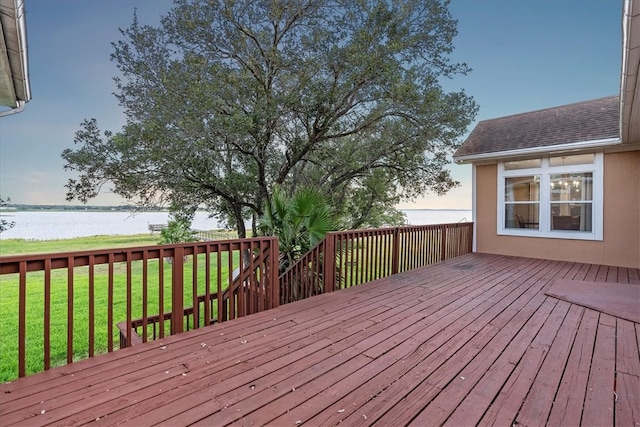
(14, 73)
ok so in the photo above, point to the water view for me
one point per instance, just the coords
(49, 225)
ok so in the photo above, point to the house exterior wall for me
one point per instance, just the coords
(621, 214)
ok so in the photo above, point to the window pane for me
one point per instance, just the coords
(570, 187)
(571, 216)
(522, 215)
(580, 159)
(523, 164)
(522, 189)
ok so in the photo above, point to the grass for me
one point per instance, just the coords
(23, 247)
(35, 299)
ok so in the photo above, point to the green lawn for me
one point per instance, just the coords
(9, 297)
(22, 246)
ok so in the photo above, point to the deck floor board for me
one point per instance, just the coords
(473, 340)
(627, 374)
(600, 396)
(499, 330)
(443, 344)
(538, 402)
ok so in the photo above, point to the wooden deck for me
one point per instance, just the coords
(473, 340)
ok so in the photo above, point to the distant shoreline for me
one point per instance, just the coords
(81, 208)
(133, 209)
(50, 224)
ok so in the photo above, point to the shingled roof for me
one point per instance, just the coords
(594, 120)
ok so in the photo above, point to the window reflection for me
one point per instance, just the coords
(579, 159)
(522, 202)
(523, 164)
(566, 190)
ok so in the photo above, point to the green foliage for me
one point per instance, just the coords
(368, 204)
(227, 99)
(178, 228)
(176, 232)
(299, 222)
(4, 224)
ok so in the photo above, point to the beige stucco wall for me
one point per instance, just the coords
(621, 227)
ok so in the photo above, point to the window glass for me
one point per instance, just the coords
(522, 202)
(560, 198)
(571, 186)
(523, 164)
(572, 216)
(522, 188)
(579, 159)
(522, 215)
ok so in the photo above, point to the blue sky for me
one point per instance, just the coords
(525, 55)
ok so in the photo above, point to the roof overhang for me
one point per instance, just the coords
(630, 80)
(538, 151)
(14, 72)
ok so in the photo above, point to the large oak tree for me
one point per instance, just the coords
(226, 99)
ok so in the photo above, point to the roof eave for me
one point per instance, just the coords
(549, 149)
(630, 74)
(14, 70)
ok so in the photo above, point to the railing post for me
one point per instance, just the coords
(329, 270)
(22, 321)
(443, 243)
(274, 273)
(395, 251)
(470, 237)
(177, 293)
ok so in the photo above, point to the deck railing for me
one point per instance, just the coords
(348, 258)
(79, 297)
(66, 306)
(241, 288)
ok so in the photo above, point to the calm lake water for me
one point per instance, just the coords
(49, 225)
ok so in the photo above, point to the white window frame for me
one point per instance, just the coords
(544, 227)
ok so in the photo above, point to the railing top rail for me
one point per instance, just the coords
(57, 255)
(101, 256)
(401, 228)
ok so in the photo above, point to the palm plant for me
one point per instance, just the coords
(299, 221)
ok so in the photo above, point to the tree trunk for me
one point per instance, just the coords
(242, 230)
